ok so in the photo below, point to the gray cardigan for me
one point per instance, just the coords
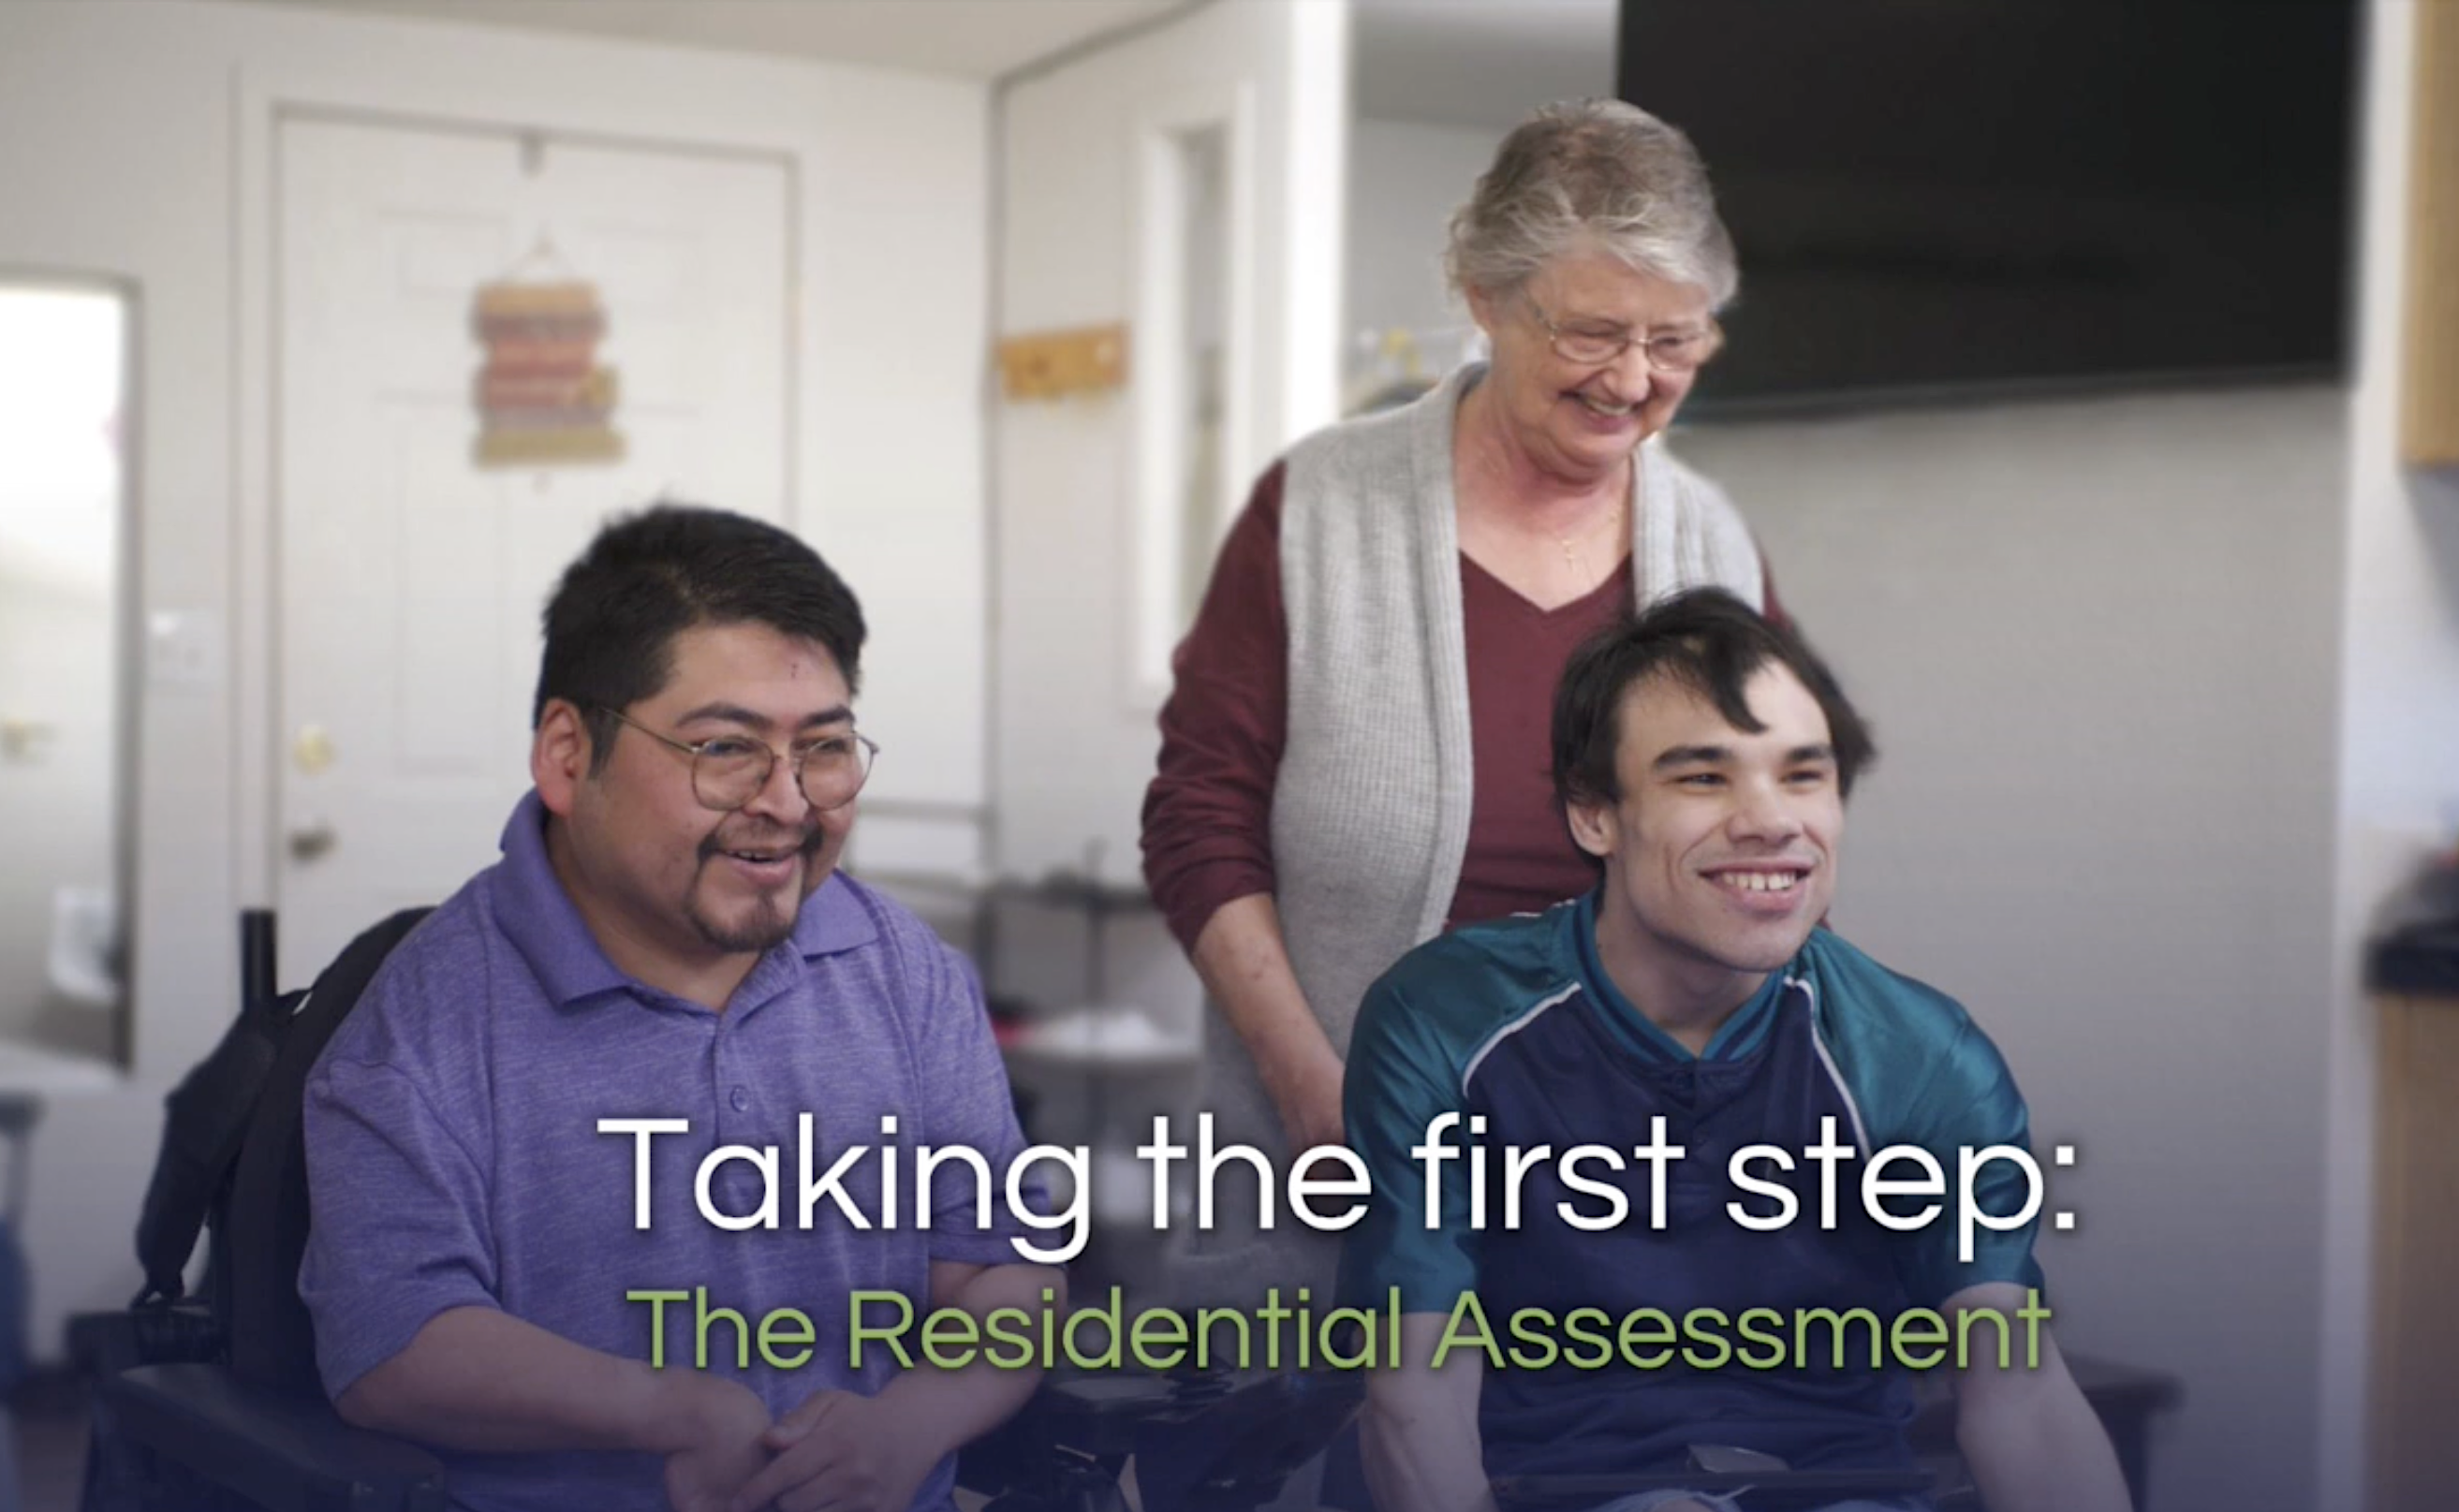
(1371, 804)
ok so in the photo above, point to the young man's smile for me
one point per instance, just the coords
(1719, 851)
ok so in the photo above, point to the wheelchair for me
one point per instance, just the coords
(212, 1403)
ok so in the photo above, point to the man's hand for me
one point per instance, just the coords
(726, 1427)
(842, 1452)
(850, 1453)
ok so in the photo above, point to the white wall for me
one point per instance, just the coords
(2096, 638)
(1406, 177)
(119, 131)
(1076, 734)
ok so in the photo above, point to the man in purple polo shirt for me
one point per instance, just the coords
(665, 939)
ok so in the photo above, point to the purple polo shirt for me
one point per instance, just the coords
(454, 1157)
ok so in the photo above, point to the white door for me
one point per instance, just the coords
(1186, 184)
(410, 579)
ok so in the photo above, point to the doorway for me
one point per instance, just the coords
(67, 725)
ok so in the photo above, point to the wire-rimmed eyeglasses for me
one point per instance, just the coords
(729, 770)
(1671, 350)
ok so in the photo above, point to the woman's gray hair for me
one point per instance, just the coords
(1592, 172)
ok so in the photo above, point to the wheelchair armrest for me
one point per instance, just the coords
(1073, 1430)
(286, 1452)
(1532, 1492)
(1214, 1439)
(103, 1344)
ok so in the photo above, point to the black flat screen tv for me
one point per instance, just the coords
(1956, 197)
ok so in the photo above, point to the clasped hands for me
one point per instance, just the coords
(834, 1452)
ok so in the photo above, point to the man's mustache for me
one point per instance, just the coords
(807, 840)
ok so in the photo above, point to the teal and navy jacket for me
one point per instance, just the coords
(1516, 1023)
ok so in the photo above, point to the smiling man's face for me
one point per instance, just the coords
(1720, 853)
(667, 884)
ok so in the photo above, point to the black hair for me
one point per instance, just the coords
(649, 577)
(1704, 639)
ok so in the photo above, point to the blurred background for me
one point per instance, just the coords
(2091, 392)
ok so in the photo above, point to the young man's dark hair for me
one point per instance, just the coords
(1709, 641)
(647, 577)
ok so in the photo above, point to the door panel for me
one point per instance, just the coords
(411, 579)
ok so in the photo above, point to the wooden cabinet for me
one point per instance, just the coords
(2416, 1233)
(2429, 418)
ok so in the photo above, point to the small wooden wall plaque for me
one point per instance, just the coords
(1053, 364)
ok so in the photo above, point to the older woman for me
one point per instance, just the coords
(1354, 756)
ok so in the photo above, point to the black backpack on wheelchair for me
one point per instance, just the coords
(213, 1403)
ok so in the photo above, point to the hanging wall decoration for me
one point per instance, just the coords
(543, 397)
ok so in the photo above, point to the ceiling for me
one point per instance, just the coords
(1478, 63)
(974, 38)
(1482, 63)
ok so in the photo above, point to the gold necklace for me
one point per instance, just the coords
(1574, 559)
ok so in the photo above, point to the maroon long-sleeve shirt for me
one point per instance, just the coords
(1206, 816)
